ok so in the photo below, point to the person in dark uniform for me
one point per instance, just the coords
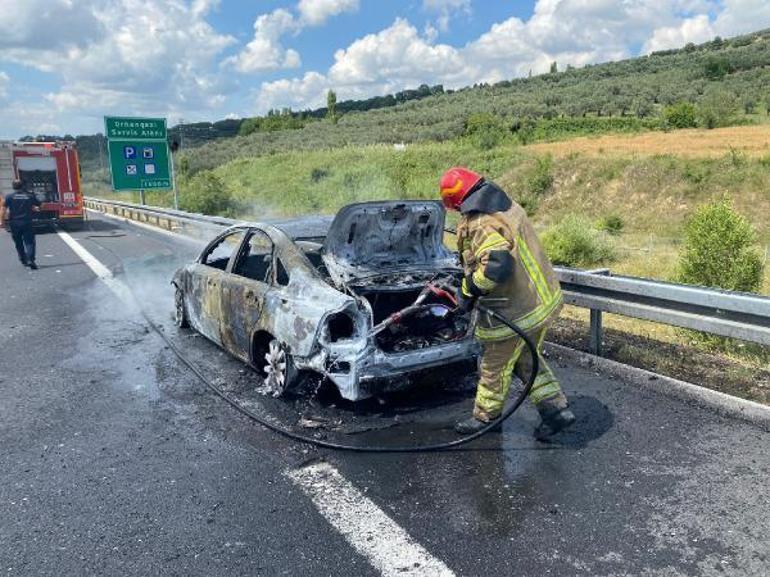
(17, 211)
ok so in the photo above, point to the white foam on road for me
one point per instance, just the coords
(388, 547)
(365, 526)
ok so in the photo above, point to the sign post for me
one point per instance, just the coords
(139, 155)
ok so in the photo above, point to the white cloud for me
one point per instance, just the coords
(309, 90)
(742, 16)
(446, 10)
(375, 64)
(157, 58)
(733, 17)
(697, 29)
(394, 56)
(19, 118)
(4, 82)
(203, 7)
(265, 51)
(48, 24)
(316, 12)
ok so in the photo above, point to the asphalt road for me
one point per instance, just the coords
(115, 460)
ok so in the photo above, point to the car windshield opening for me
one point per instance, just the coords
(219, 255)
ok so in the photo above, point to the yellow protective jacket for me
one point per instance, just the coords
(505, 265)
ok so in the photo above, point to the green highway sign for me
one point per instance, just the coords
(138, 151)
(128, 128)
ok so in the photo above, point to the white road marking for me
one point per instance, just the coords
(365, 526)
(101, 271)
(388, 547)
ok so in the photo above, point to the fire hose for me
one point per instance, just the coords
(512, 408)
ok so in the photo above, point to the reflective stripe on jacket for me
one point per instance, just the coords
(505, 264)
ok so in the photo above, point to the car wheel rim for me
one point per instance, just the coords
(275, 367)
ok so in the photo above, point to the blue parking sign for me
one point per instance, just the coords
(129, 152)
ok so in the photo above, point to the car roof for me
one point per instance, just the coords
(305, 227)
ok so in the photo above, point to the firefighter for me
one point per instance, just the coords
(506, 270)
(17, 210)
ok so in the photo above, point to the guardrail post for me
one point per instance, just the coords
(597, 330)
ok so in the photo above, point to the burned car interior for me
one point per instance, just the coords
(363, 298)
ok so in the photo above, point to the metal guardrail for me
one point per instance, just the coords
(725, 313)
(730, 314)
(199, 226)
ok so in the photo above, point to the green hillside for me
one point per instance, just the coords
(619, 96)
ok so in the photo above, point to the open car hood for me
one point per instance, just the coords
(372, 237)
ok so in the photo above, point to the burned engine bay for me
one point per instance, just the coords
(391, 257)
(413, 311)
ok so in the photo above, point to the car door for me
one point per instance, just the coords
(206, 279)
(244, 291)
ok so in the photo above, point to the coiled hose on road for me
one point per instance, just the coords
(532, 348)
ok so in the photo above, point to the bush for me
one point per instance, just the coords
(716, 67)
(485, 130)
(611, 223)
(525, 130)
(680, 115)
(536, 183)
(275, 121)
(718, 108)
(574, 242)
(207, 193)
(719, 250)
(540, 180)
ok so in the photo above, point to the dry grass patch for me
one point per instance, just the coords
(751, 140)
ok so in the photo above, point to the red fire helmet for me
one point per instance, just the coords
(455, 185)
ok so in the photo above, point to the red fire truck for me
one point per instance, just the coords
(51, 171)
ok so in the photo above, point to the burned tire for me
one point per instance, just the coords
(180, 310)
(280, 373)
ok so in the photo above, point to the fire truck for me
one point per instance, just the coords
(50, 170)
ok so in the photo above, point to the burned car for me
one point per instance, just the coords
(365, 299)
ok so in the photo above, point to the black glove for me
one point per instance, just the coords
(465, 303)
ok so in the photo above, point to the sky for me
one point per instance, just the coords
(65, 64)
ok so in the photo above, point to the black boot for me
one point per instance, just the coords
(32, 265)
(471, 425)
(554, 421)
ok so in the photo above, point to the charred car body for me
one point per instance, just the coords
(324, 296)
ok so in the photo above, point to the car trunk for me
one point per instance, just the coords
(386, 253)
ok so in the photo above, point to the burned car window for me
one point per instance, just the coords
(219, 255)
(281, 274)
(254, 262)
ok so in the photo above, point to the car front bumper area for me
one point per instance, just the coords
(359, 374)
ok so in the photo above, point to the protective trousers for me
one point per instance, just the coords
(502, 359)
(24, 239)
